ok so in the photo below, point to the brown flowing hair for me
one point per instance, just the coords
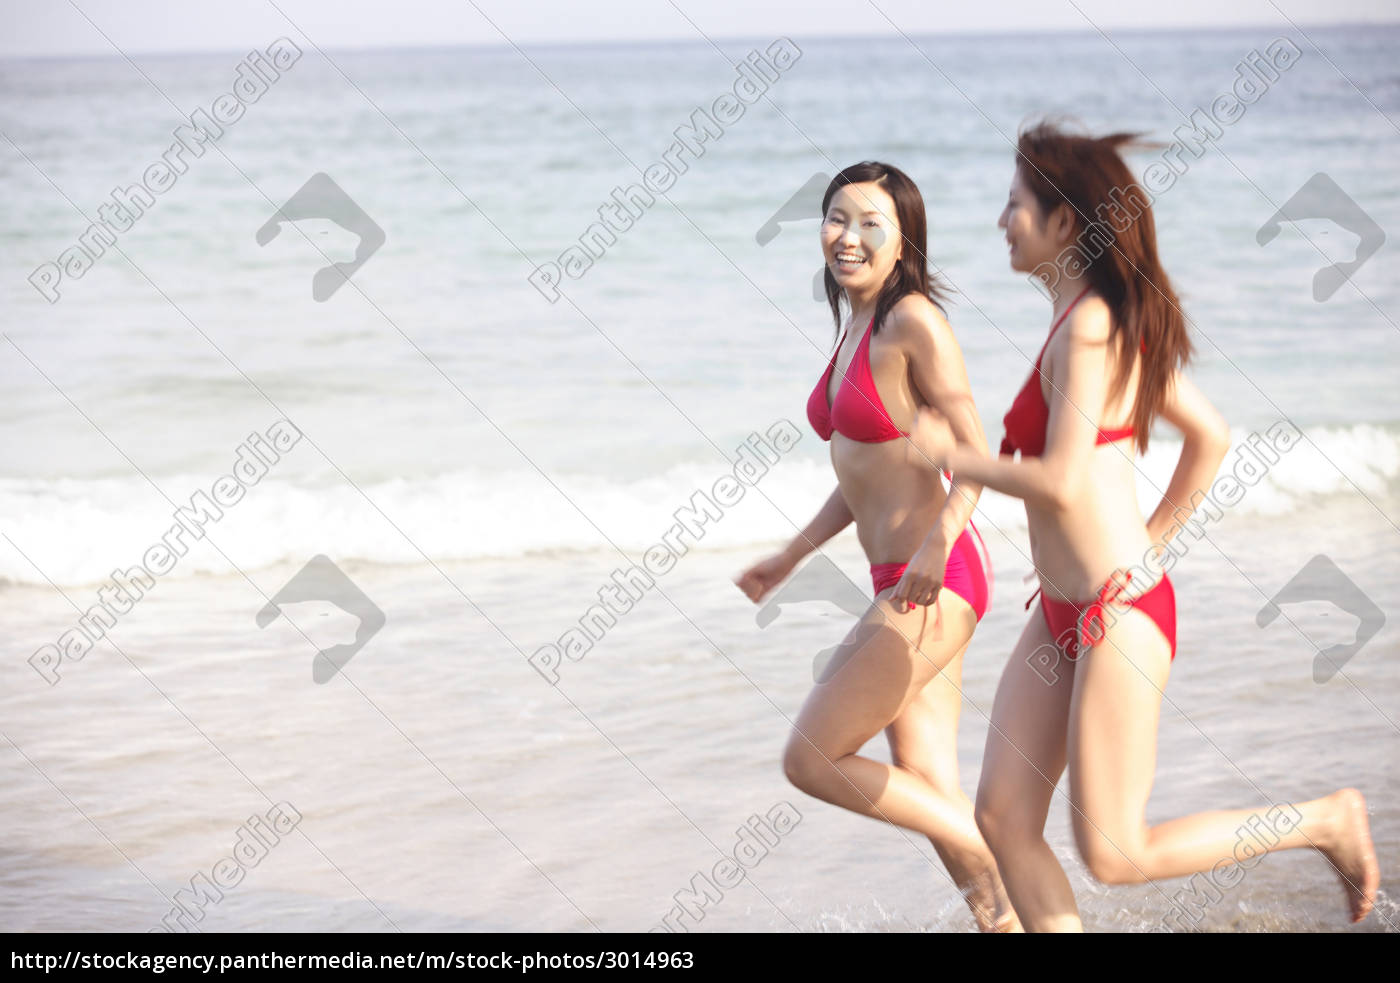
(911, 273)
(1117, 242)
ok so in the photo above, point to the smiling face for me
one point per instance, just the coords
(860, 237)
(1032, 239)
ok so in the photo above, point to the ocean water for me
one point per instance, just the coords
(477, 460)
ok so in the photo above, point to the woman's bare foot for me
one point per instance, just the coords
(1007, 923)
(1350, 852)
(1006, 920)
(987, 899)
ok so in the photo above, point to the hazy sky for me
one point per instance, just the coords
(45, 27)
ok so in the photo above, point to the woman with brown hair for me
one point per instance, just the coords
(1110, 367)
(900, 668)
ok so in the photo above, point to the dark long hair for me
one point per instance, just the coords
(1116, 239)
(911, 273)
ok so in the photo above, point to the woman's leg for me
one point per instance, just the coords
(924, 741)
(1112, 756)
(882, 666)
(1024, 758)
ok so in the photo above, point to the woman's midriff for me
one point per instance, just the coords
(1075, 551)
(894, 501)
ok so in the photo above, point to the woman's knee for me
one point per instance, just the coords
(941, 777)
(1004, 820)
(991, 818)
(803, 763)
(1108, 861)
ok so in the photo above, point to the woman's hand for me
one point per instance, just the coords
(923, 578)
(932, 438)
(764, 575)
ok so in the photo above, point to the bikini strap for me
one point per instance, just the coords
(863, 350)
(869, 330)
(864, 342)
(831, 362)
(1061, 318)
(839, 342)
(1039, 358)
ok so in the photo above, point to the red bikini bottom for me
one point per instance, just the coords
(1080, 626)
(967, 573)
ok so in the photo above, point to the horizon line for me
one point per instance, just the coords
(728, 39)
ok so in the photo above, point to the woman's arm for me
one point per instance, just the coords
(830, 519)
(1078, 375)
(1205, 438)
(938, 375)
(938, 370)
(768, 573)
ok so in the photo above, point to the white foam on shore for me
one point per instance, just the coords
(78, 531)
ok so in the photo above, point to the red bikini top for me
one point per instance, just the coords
(856, 411)
(1028, 417)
